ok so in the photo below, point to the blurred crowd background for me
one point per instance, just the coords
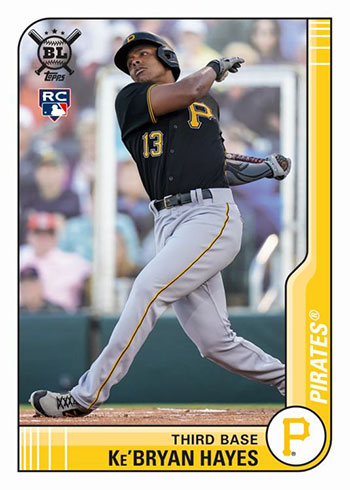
(57, 160)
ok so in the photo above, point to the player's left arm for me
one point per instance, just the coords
(273, 167)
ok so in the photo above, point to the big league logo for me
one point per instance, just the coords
(54, 52)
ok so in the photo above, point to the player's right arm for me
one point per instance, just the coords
(170, 97)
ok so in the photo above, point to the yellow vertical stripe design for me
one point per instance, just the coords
(153, 300)
(149, 104)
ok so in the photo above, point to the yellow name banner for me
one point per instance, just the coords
(146, 449)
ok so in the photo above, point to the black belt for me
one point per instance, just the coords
(178, 200)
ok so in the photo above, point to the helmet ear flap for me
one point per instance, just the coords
(169, 58)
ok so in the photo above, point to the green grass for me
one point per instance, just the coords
(218, 406)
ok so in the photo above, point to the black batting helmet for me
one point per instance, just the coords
(165, 53)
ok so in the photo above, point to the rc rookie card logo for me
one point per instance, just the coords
(54, 52)
(54, 102)
(296, 436)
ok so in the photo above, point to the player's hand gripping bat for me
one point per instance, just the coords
(273, 166)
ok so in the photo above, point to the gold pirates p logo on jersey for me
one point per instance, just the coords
(198, 110)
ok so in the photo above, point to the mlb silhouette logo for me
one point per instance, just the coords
(54, 102)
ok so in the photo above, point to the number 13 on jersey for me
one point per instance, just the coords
(152, 144)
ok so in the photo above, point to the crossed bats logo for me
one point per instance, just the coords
(54, 51)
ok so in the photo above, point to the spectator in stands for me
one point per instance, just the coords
(27, 154)
(77, 237)
(265, 38)
(257, 108)
(28, 94)
(147, 249)
(150, 25)
(192, 51)
(63, 274)
(301, 53)
(32, 299)
(83, 174)
(132, 198)
(28, 158)
(90, 53)
(125, 265)
(293, 40)
(92, 46)
(221, 32)
(243, 50)
(118, 31)
(50, 194)
(162, 27)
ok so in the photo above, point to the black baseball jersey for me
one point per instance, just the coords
(176, 152)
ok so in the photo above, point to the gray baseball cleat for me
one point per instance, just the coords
(51, 404)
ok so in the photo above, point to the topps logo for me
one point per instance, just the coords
(53, 77)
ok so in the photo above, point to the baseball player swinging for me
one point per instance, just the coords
(171, 130)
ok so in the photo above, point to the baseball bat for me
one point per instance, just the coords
(35, 36)
(39, 70)
(243, 158)
(73, 36)
(38, 39)
(70, 71)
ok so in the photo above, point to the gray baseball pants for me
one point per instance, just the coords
(194, 242)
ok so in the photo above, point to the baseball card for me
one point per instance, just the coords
(174, 244)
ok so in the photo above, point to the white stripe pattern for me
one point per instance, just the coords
(27, 442)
